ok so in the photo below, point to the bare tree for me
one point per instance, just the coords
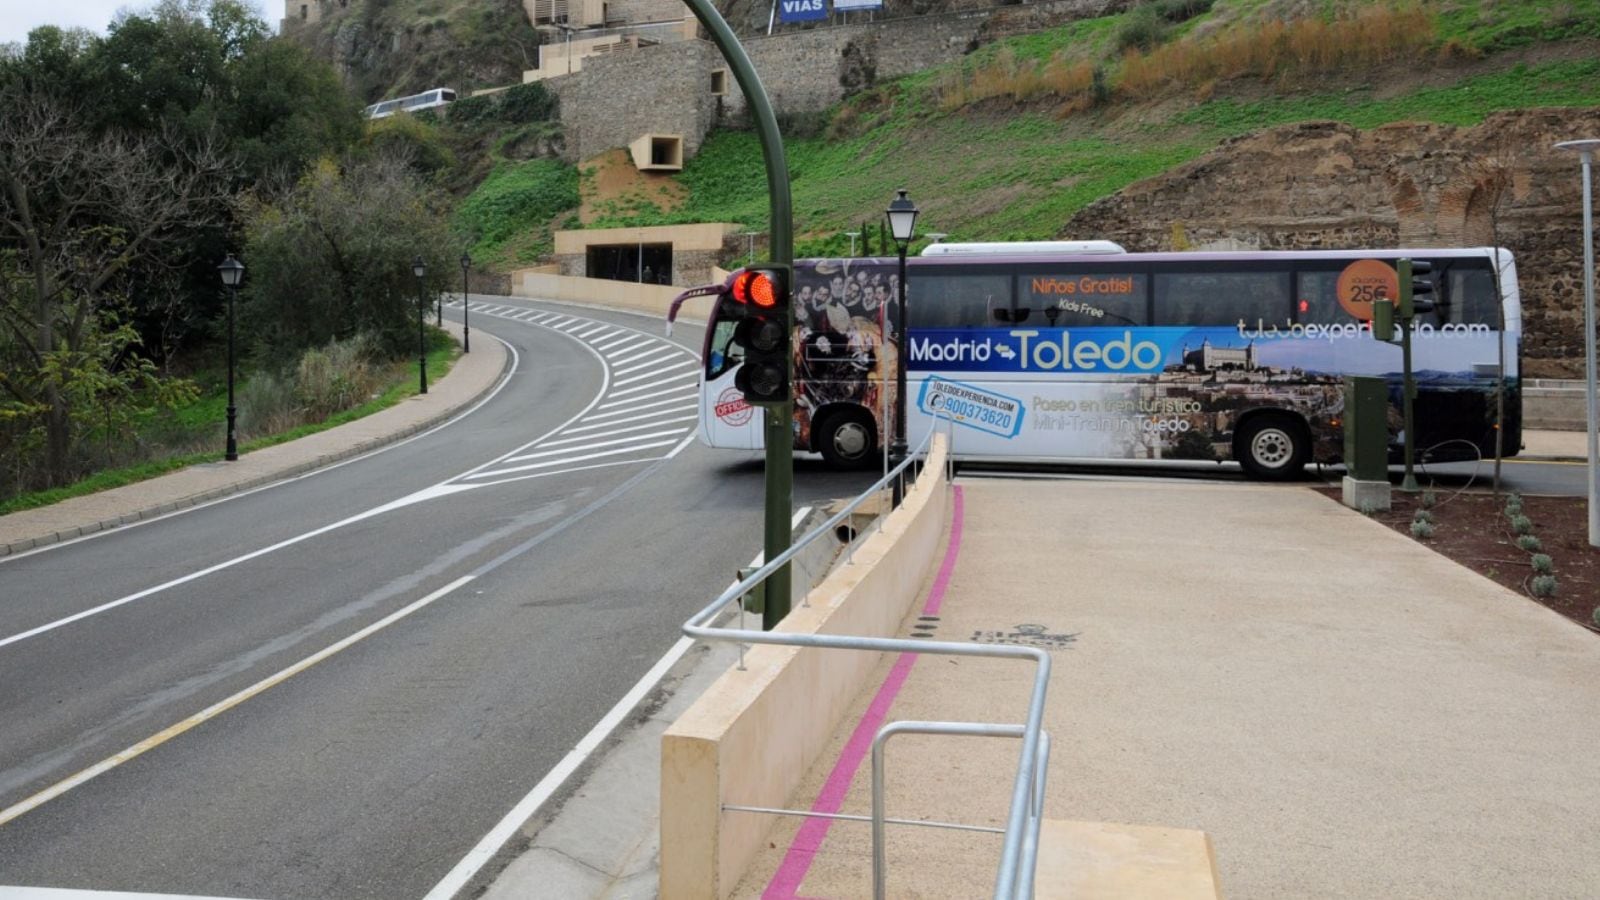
(80, 213)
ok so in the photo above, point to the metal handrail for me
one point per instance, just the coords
(1016, 850)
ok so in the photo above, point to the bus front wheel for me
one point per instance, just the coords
(847, 439)
(1272, 448)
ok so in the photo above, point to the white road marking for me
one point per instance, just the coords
(675, 390)
(588, 437)
(643, 406)
(658, 383)
(572, 459)
(595, 444)
(639, 340)
(217, 709)
(654, 415)
(674, 367)
(512, 821)
(651, 353)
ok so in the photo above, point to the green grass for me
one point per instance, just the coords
(441, 357)
(508, 216)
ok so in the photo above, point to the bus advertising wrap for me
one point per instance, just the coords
(1068, 365)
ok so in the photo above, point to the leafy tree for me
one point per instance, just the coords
(80, 214)
(331, 258)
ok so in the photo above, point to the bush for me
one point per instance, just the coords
(469, 110)
(1430, 499)
(1421, 529)
(1529, 543)
(1143, 29)
(335, 378)
(1596, 616)
(1424, 515)
(266, 405)
(1544, 586)
(1181, 10)
(1522, 524)
(1542, 563)
(532, 102)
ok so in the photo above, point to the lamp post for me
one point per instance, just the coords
(232, 272)
(853, 235)
(420, 269)
(1586, 149)
(902, 225)
(466, 332)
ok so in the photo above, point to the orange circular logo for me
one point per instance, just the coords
(1364, 281)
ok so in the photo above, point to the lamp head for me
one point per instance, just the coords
(232, 271)
(418, 267)
(902, 218)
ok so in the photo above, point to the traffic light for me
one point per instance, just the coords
(1412, 285)
(762, 292)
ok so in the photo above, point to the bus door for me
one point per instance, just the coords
(726, 420)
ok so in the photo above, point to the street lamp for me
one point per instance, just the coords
(420, 269)
(1586, 150)
(232, 272)
(902, 225)
(853, 235)
(466, 333)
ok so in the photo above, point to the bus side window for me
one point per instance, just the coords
(725, 353)
(1222, 298)
(1317, 298)
(1469, 295)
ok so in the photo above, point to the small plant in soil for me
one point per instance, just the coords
(1542, 563)
(1421, 529)
(1522, 524)
(1596, 616)
(1544, 586)
(1424, 515)
(1430, 499)
(1529, 543)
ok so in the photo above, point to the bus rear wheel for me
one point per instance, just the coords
(847, 439)
(1272, 448)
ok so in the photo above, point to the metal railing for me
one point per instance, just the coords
(1019, 852)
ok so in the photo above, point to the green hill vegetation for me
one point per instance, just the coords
(1012, 140)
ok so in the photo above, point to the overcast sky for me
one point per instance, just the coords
(18, 17)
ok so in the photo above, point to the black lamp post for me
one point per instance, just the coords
(232, 272)
(420, 269)
(902, 225)
(466, 333)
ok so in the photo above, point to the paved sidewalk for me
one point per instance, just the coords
(1345, 712)
(471, 377)
(1568, 445)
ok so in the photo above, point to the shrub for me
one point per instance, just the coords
(1542, 563)
(1181, 10)
(1544, 586)
(469, 110)
(1529, 543)
(1522, 524)
(531, 102)
(1143, 29)
(1596, 616)
(1424, 515)
(1430, 499)
(335, 378)
(1421, 529)
(266, 405)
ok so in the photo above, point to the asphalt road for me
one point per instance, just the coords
(492, 588)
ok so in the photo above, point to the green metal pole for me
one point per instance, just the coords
(1408, 385)
(779, 419)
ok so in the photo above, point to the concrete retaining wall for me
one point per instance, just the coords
(754, 734)
(650, 298)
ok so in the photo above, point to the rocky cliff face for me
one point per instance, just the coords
(1328, 185)
(385, 48)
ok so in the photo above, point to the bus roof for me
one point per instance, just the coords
(1025, 248)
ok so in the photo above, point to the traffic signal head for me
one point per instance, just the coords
(764, 331)
(1413, 284)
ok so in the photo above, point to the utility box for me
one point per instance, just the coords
(1366, 443)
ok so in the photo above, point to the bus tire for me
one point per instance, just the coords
(847, 438)
(1272, 447)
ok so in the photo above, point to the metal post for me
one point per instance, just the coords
(778, 420)
(1586, 150)
(466, 331)
(422, 338)
(232, 452)
(897, 452)
(1409, 390)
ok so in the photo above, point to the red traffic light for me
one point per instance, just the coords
(758, 287)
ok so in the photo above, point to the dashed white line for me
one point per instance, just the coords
(652, 415)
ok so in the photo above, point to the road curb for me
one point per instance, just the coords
(168, 507)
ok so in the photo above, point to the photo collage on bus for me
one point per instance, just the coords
(1143, 360)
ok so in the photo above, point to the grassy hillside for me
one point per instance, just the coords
(1011, 141)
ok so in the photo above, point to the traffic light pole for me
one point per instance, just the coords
(779, 418)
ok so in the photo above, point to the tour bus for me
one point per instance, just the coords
(414, 103)
(1055, 351)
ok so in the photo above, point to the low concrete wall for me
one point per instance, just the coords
(651, 298)
(1554, 405)
(755, 733)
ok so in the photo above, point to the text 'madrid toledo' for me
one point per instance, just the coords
(1037, 349)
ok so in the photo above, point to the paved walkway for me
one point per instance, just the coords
(1347, 713)
(471, 377)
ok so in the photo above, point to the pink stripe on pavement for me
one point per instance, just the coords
(808, 840)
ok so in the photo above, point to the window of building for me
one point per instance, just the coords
(719, 82)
